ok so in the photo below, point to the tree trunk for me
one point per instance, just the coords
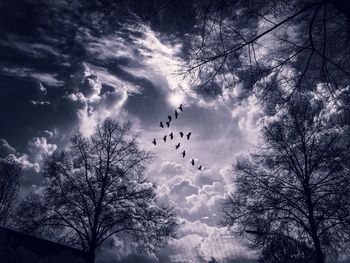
(319, 256)
(318, 251)
(91, 255)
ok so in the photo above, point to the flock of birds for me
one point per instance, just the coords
(171, 135)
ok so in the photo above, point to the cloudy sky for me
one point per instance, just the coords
(61, 69)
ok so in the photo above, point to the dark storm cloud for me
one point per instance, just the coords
(42, 46)
(5, 149)
(33, 68)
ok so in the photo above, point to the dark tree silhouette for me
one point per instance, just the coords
(10, 174)
(31, 216)
(96, 190)
(212, 260)
(272, 48)
(279, 249)
(296, 185)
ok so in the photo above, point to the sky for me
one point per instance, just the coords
(61, 70)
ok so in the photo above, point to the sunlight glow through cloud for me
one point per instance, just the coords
(161, 55)
(176, 98)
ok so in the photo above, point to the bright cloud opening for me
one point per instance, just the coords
(176, 98)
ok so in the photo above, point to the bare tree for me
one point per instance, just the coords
(272, 48)
(296, 185)
(97, 190)
(10, 174)
(280, 249)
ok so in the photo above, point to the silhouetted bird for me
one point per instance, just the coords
(200, 168)
(167, 124)
(176, 114)
(181, 134)
(169, 118)
(192, 162)
(161, 124)
(154, 142)
(188, 135)
(183, 154)
(177, 146)
(180, 107)
(164, 138)
(171, 135)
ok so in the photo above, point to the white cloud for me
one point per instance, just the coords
(198, 241)
(181, 190)
(48, 79)
(31, 162)
(42, 88)
(40, 102)
(248, 114)
(169, 168)
(161, 56)
(105, 77)
(91, 88)
(38, 148)
(48, 133)
(109, 47)
(108, 105)
(207, 177)
(90, 103)
(30, 168)
(27, 164)
(206, 204)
